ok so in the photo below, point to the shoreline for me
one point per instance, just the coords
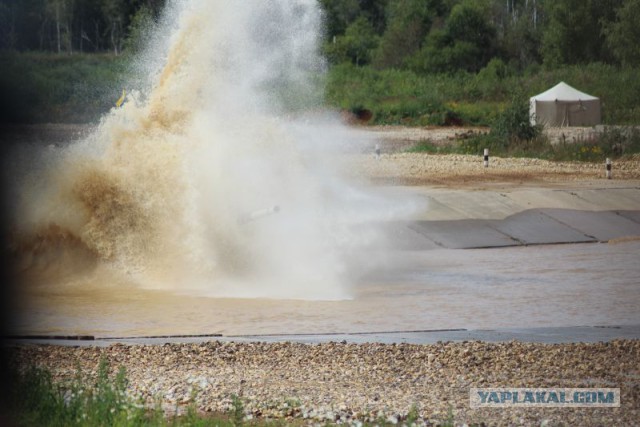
(540, 335)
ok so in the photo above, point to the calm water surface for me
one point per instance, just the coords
(561, 285)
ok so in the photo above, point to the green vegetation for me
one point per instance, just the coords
(612, 142)
(404, 97)
(435, 36)
(74, 26)
(409, 62)
(41, 87)
(37, 401)
(451, 62)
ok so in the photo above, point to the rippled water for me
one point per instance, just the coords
(560, 285)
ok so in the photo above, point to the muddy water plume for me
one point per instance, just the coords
(155, 196)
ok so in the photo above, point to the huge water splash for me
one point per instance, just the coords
(165, 192)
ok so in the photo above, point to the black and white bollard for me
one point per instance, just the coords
(486, 157)
(608, 163)
(377, 151)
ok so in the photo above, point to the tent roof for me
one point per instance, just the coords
(563, 92)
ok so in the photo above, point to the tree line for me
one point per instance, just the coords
(436, 36)
(68, 26)
(418, 62)
(425, 36)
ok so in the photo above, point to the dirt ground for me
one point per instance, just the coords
(396, 166)
(398, 134)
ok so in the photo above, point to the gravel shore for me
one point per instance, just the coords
(396, 166)
(366, 382)
(455, 170)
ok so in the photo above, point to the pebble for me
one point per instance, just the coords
(318, 383)
(457, 169)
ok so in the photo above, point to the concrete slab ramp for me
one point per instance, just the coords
(464, 219)
(530, 227)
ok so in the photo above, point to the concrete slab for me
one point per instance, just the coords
(602, 226)
(534, 227)
(448, 204)
(463, 234)
(484, 218)
(437, 211)
(477, 204)
(611, 198)
(631, 215)
(531, 227)
(400, 236)
(550, 198)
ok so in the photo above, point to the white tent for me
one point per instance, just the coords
(563, 105)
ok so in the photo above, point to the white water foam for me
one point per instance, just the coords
(169, 189)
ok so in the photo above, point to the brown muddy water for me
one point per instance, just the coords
(559, 285)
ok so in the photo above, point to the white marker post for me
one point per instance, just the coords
(608, 163)
(377, 151)
(486, 157)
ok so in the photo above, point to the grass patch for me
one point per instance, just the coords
(428, 147)
(613, 143)
(36, 400)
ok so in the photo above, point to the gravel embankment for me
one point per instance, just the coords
(366, 382)
(397, 166)
(459, 170)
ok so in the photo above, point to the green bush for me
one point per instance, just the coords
(613, 142)
(40, 87)
(514, 124)
(36, 400)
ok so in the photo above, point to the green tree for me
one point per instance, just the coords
(141, 24)
(338, 15)
(623, 34)
(8, 35)
(573, 34)
(375, 12)
(115, 14)
(408, 22)
(69, 25)
(467, 41)
(519, 31)
(23, 24)
(356, 45)
(514, 123)
(61, 13)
